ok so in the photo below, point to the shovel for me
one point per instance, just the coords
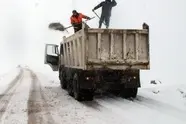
(60, 27)
(98, 17)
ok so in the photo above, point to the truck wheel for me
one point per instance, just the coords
(63, 83)
(69, 88)
(115, 92)
(62, 79)
(129, 92)
(89, 96)
(133, 92)
(76, 88)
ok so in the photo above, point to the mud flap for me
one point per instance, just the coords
(131, 79)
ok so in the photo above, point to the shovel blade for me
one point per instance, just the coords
(56, 26)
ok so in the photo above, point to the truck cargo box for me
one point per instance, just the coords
(117, 49)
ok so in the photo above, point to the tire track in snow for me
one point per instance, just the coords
(106, 114)
(127, 106)
(12, 84)
(9, 92)
(38, 108)
(161, 107)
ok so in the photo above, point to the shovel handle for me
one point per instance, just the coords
(98, 17)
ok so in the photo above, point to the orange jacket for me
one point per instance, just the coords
(76, 20)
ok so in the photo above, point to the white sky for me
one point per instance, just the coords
(24, 31)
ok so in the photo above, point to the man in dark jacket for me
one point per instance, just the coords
(106, 11)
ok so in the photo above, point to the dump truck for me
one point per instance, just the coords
(100, 60)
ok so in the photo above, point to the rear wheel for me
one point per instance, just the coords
(70, 88)
(89, 96)
(129, 92)
(81, 94)
(63, 83)
(133, 92)
(62, 79)
(115, 92)
(76, 88)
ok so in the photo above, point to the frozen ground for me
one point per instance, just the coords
(36, 98)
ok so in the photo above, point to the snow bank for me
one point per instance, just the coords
(5, 79)
(172, 95)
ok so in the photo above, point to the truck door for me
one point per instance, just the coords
(52, 56)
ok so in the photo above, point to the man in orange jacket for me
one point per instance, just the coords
(76, 20)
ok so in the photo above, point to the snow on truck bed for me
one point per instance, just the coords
(38, 98)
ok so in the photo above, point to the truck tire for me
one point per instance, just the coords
(129, 92)
(76, 88)
(115, 92)
(79, 95)
(133, 92)
(89, 96)
(70, 88)
(63, 83)
(62, 78)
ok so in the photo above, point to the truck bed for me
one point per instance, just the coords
(119, 49)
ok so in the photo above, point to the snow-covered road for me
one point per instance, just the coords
(36, 98)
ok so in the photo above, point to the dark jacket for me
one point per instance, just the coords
(106, 7)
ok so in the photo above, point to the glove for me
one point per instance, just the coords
(93, 10)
